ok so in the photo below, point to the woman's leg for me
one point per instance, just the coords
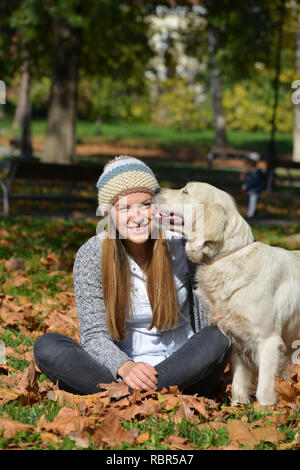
(196, 367)
(64, 360)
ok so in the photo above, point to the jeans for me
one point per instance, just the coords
(252, 200)
(195, 367)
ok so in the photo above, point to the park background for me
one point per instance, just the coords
(166, 82)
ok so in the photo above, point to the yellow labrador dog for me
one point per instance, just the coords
(250, 290)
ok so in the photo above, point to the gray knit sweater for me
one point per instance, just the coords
(94, 335)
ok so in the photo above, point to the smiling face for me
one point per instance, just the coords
(132, 216)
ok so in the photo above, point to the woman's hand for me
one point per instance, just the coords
(138, 375)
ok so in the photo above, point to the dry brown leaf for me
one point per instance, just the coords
(48, 437)
(112, 433)
(60, 323)
(171, 401)
(151, 406)
(81, 438)
(172, 389)
(295, 445)
(13, 264)
(188, 413)
(7, 395)
(114, 389)
(229, 447)
(184, 412)
(215, 425)
(118, 404)
(142, 437)
(130, 412)
(286, 390)
(93, 402)
(240, 433)
(11, 428)
(50, 260)
(66, 421)
(268, 433)
(45, 387)
(22, 299)
(19, 280)
(6, 369)
(177, 442)
(197, 403)
(27, 387)
(63, 398)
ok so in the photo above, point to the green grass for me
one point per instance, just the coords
(33, 238)
(33, 442)
(59, 237)
(30, 414)
(160, 429)
(144, 134)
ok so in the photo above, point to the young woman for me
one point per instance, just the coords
(139, 318)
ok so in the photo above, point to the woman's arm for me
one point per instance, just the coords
(94, 334)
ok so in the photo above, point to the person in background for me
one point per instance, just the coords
(252, 184)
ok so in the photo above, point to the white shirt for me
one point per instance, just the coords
(154, 346)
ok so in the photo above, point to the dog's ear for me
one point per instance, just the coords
(207, 241)
(214, 222)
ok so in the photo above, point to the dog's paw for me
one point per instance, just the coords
(245, 401)
(239, 394)
(266, 399)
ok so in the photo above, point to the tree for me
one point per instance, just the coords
(95, 37)
(120, 33)
(60, 133)
(235, 36)
(216, 83)
(23, 49)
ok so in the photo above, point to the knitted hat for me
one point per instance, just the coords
(124, 175)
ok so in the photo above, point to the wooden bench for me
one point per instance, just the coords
(289, 178)
(227, 153)
(272, 178)
(32, 169)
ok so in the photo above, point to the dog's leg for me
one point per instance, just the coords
(271, 356)
(242, 379)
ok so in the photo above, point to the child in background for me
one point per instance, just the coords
(252, 183)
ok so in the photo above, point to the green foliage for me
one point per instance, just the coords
(111, 100)
(176, 105)
(115, 53)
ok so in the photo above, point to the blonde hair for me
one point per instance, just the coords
(116, 284)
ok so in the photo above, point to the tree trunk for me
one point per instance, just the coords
(23, 112)
(24, 95)
(216, 89)
(296, 142)
(61, 122)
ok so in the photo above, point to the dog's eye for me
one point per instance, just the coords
(185, 191)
